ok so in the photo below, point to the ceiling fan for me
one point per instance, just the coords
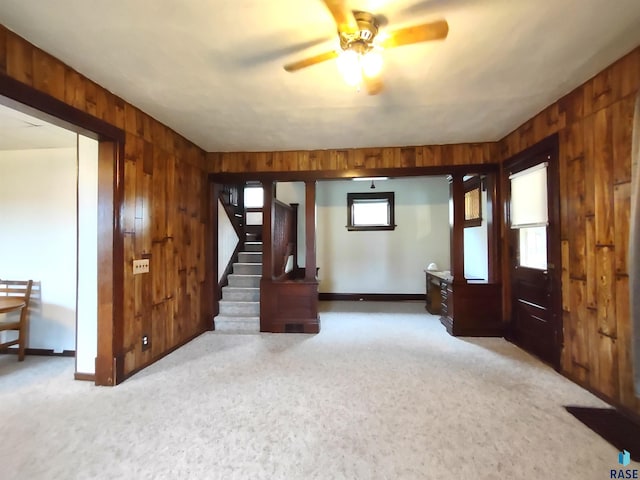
(359, 58)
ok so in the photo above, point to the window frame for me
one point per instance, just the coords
(386, 197)
(473, 187)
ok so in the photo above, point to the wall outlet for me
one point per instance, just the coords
(145, 342)
(141, 266)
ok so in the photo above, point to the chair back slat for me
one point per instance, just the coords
(17, 289)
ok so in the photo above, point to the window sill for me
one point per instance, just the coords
(370, 228)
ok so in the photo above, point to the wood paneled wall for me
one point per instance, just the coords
(594, 124)
(340, 160)
(164, 215)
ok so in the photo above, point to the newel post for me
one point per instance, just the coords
(456, 197)
(310, 230)
(267, 229)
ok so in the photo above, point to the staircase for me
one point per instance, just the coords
(240, 304)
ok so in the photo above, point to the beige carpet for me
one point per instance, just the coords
(374, 396)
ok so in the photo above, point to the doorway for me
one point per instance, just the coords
(49, 210)
(533, 236)
(110, 184)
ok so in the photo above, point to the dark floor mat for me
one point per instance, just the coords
(611, 425)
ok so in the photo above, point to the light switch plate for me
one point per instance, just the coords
(141, 266)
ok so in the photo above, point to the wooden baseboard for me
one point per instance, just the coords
(43, 352)
(376, 297)
(88, 377)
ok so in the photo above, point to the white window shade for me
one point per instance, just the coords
(529, 197)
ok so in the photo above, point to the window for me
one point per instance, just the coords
(472, 202)
(532, 247)
(253, 197)
(529, 215)
(370, 211)
(253, 202)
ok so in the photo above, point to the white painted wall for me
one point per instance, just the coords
(386, 261)
(38, 238)
(227, 240)
(87, 312)
(476, 248)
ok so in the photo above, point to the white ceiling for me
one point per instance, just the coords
(212, 69)
(19, 131)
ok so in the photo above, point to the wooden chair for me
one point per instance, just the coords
(15, 296)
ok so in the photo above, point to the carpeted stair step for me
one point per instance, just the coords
(241, 294)
(239, 309)
(250, 257)
(226, 324)
(247, 268)
(236, 280)
(253, 246)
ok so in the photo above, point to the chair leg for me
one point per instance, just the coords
(21, 346)
(22, 337)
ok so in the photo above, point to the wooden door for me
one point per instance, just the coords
(534, 248)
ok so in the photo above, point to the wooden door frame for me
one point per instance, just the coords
(528, 158)
(109, 365)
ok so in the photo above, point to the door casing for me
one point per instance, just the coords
(548, 349)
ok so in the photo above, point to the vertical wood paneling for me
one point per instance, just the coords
(622, 122)
(19, 59)
(569, 335)
(589, 160)
(578, 345)
(591, 278)
(603, 177)
(91, 98)
(593, 343)
(353, 159)
(48, 74)
(622, 216)
(606, 305)
(594, 123)
(608, 368)
(577, 218)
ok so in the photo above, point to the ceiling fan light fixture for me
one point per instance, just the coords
(371, 63)
(349, 66)
(358, 57)
(353, 64)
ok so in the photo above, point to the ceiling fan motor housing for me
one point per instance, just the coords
(362, 40)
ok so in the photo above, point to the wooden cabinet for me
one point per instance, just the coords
(466, 309)
(289, 306)
(433, 295)
(472, 309)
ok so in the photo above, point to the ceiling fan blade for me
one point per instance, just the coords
(416, 34)
(343, 17)
(373, 85)
(307, 62)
